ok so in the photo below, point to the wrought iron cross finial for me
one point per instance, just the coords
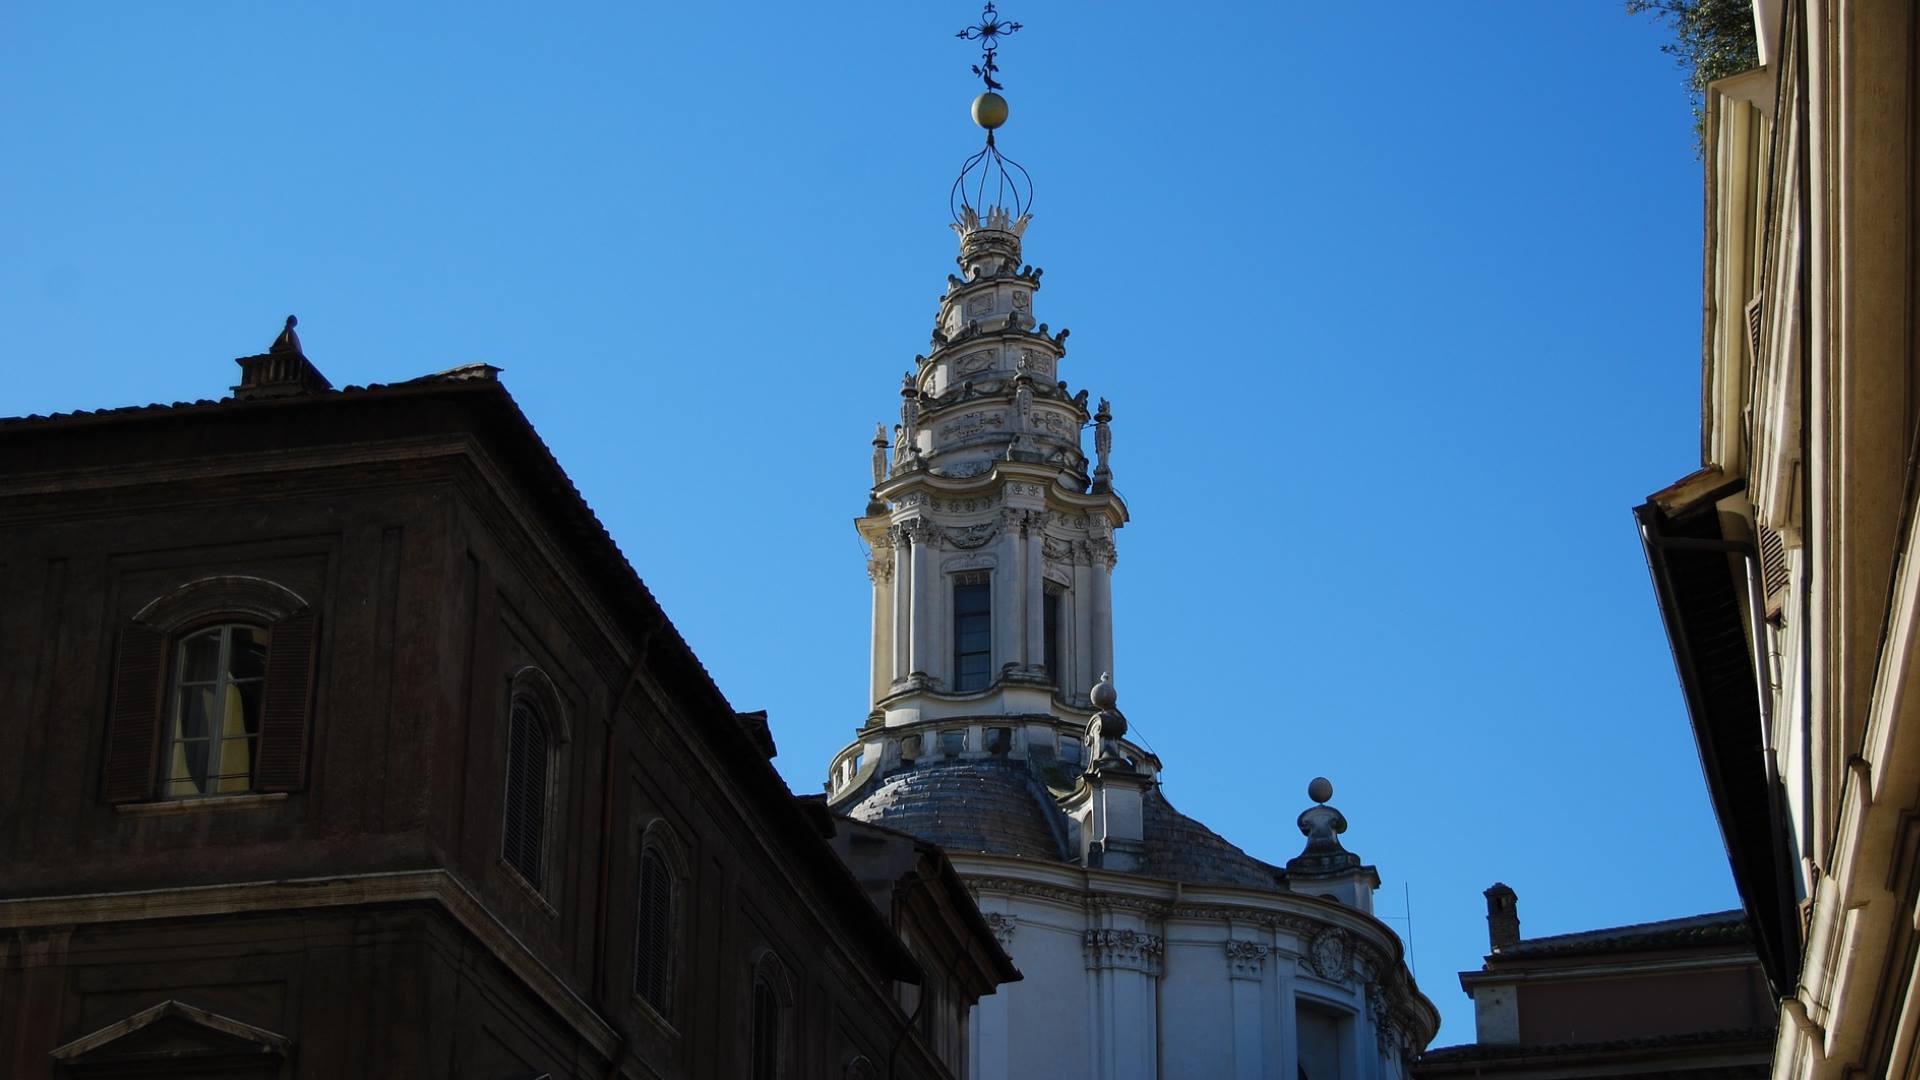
(988, 31)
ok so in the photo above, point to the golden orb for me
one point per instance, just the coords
(989, 110)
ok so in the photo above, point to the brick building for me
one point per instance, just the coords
(347, 743)
(1677, 999)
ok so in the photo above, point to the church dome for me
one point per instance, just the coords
(1178, 848)
(993, 806)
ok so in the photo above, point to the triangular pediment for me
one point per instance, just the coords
(173, 1031)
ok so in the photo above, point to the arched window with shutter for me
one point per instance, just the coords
(536, 727)
(212, 693)
(657, 930)
(529, 758)
(769, 1020)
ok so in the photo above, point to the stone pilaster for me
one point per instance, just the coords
(1125, 965)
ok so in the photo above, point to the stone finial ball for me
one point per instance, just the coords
(989, 110)
(1103, 693)
(1320, 789)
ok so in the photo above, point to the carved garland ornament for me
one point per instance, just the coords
(968, 537)
(973, 423)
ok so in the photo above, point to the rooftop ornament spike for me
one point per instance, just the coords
(989, 180)
(282, 371)
(288, 341)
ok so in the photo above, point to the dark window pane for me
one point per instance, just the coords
(249, 653)
(216, 712)
(201, 657)
(1050, 607)
(972, 633)
(243, 715)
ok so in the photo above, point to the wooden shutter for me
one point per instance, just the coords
(525, 825)
(652, 954)
(1774, 574)
(286, 704)
(765, 1047)
(133, 727)
(1756, 307)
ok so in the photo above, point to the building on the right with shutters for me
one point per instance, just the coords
(1785, 567)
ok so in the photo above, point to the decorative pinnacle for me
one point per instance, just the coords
(988, 32)
(288, 341)
(988, 179)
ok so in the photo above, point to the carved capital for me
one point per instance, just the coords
(1101, 552)
(880, 566)
(1123, 950)
(1002, 926)
(1246, 959)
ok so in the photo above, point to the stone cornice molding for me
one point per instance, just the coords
(1123, 950)
(438, 887)
(1369, 960)
(917, 488)
(970, 336)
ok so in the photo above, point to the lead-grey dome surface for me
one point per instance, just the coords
(1000, 806)
(993, 806)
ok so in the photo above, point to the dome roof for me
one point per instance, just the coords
(999, 807)
(993, 806)
(1182, 849)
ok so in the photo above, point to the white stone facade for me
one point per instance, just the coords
(1128, 977)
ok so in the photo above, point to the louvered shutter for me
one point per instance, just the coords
(286, 703)
(133, 727)
(1774, 575)
(524, 830)
(653, 957)
(1755, 308)
(765, 1047)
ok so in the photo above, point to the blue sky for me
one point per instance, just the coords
(1398, 306)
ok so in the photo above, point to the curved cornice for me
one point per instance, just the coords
(965, 341)
(1027, 275)
(1051, 478)
(1305, 915)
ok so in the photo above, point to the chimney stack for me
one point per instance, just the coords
(1503, 917)
(283, 370)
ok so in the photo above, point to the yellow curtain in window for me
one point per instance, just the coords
(233, 760)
